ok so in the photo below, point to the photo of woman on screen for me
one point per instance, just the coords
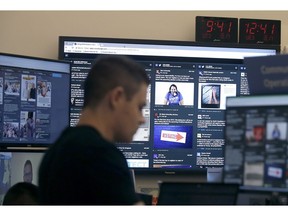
(173, 96)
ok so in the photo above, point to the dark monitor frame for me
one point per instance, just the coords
(197, 193)
(62, 39)
(189, 45)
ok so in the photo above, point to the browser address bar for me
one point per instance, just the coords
(173, 51)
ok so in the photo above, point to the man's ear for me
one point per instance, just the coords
(116, 96)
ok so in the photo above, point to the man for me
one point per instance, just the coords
(32, 93)
(84, 167)
(28, 172)
(22, 193)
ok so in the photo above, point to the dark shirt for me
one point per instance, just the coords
(82, 168)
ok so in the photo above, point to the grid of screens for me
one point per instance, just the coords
(185, 135)
(256, 154)
(34, 100)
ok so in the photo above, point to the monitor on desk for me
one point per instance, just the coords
(191, 193)
(256, 150)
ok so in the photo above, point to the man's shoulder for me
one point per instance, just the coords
(83, 131)
(81, 137)
(80, 144)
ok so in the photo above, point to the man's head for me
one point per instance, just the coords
(107, 73)
(120, 85)
(22, 193)
(28, 172)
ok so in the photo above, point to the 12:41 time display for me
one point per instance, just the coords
(260, 31)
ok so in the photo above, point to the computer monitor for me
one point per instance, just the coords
(185, 137)
(18, 166)
(192, 193)
(34, 100)
(256, 153)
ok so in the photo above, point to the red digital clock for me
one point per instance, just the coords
(216, 29)
(260, 31)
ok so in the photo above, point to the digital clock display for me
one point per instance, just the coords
(260, 31)
(216, 29)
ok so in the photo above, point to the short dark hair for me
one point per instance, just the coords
(22, 193)
(110, 71)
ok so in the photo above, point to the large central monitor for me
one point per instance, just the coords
(186, 100)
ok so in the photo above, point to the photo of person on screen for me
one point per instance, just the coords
(32, 92)
(277, 131)
(28, 88)
(214, 97)
(173, 96)
(210, 96)
(28, 127)
(276, 134)
(25, 90)
(11, 130)
(28, 171)
(42, 88)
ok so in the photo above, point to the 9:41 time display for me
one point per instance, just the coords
(216, 29)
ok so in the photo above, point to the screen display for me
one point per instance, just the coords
(256, 154)
(186, 100)
(18, 167)
(34, 100)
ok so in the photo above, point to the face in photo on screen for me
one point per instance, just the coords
(28, 172)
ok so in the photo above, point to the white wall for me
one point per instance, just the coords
(36, 32)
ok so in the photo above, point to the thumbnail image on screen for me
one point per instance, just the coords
(210, 96)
